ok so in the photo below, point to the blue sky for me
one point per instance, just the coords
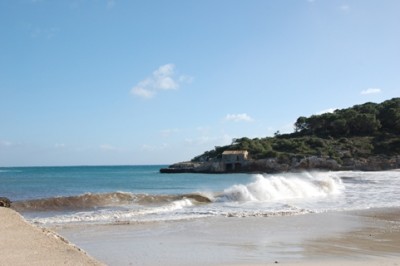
(90, 82)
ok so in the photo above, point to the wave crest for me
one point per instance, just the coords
(84, 201)
(283, 187)
(89, 201)
(115, 216)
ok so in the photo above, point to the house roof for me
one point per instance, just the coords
(237, 152)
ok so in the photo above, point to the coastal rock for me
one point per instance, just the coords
(213, 167)
(314, 162)
(5, 202)
(275, 165)
(182, 167)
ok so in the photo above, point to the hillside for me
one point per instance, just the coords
(363, 137)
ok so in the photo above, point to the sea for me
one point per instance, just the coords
(108, 195)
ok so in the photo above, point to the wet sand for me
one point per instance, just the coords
(370, 237)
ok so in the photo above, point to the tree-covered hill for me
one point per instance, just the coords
(361, 131)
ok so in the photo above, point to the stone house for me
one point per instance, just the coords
(233, 160)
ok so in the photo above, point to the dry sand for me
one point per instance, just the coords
(24, 244)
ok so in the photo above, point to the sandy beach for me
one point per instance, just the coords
(24, 244)
(368, 237)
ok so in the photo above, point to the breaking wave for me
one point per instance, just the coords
(115, 216)
(90, 201)
(266, 188)
(84, 201)
(264, 196)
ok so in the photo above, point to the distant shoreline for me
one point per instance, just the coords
(83, 165)
(273, 165)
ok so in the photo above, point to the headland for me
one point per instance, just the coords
(364, 137)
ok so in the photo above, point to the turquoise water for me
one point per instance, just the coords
(126, 194)
(22, 183)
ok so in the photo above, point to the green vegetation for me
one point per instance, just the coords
(357, 132)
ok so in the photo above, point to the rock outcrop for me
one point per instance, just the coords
(274, 165)
(5, 202)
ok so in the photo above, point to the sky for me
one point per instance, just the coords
(118, 82)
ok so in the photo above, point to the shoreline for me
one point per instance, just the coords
(365, 237)
(362, 237)
(272, 166)
(23, 243)
(373, 163)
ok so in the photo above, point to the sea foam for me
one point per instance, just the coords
(266, 188)
(114, 216)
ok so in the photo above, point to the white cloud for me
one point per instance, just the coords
(238, 117)
(143, 92)
(163, 78)
(329, 110)
(371, 91)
